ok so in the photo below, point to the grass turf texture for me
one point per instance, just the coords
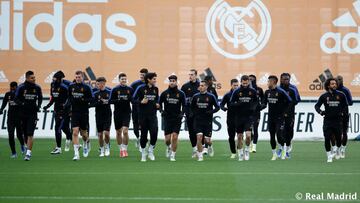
(56, 178)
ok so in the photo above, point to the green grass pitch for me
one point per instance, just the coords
(48, 178)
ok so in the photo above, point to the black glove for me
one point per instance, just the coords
(45, 108)
(322, 113)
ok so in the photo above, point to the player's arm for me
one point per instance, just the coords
(182, 102)
(40, 98)
(4, 103)
(318, 105)
(348, 97)
(89, 95)
(51, 101)
(214, 104)
(264, 101)
(157, 98)
(161, 101)
(113, 97)
(254, 101)
(260, 99)
(137, 95)
(19, 98)
(344, 104)
(224, 101)
(235, 98)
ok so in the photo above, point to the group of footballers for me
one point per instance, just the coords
(196, 100)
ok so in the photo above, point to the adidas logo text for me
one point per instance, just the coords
(342, 42)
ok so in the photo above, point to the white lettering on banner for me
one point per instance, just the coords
(55, 20)
(308, 124)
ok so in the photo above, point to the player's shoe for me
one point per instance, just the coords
(283, 154)
(102, 152)
(342, 152)
(194, 152)
(125, 153)
(247, 155)
(337, 154)
(151, 156)
(200, 156)
(143, 157)
(329, 157)
(274, 157)
(13, 156)
(56, 151)
(85, 152)
(67, 145)
(253, 148)
(172, 157)
(211, 151)
(205, 151)
(23, 149)
(27, 157)
(232, 156)
(288, 155)
(76, 158)
(107, 150)
(278, 152)
(241, 156)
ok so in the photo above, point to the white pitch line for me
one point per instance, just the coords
(193, 199)
(179, 173)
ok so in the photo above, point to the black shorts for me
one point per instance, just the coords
(243, 124)
(121, 120)
(80, 120)
(172, 125)
(332, 128)
(204, 127)
(29, 122)
(103, 123)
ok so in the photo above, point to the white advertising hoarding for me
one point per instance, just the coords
(308, 124)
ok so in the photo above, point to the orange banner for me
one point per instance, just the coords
(312, 40)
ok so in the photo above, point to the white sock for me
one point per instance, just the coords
(247, 148)
(240, 151)
(28, 152)
(76, 149)
(143, 150)
(173, 153)
(194, 149)
(328, 154)
(274, 151)
(285, 148)
(125, 147)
